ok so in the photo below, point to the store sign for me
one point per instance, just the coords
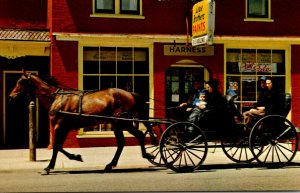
(258, 67)
(203, 22)
(111, 56)
(183, 50)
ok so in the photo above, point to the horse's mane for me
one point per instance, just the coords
(51, 80)
(142, 105)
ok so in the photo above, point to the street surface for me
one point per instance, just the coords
(133, 173)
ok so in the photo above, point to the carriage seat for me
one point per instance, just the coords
(287, 100)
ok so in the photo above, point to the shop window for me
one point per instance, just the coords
(117, 8)
(115, 67)
(258, 9)
(244, 67)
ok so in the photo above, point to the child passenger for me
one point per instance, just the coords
(200, 105)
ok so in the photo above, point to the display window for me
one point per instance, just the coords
(245, 67)
(115, 67)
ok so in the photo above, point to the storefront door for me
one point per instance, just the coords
(179, 82)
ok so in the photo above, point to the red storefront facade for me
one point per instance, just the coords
(154, 42)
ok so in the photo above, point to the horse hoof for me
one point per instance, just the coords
(45, 172)
(78, 158)
(108, 168)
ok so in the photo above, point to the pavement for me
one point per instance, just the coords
(93, 157)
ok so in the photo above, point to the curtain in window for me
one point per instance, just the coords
(258, 7)
(129, 5)
(104, 4)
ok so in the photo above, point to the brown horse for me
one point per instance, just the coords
(112, 102)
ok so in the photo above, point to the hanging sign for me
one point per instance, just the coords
(203, 22)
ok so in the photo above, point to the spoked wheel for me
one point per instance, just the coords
(152, 136)
(273, 141)
(183, 147)
(237, 149)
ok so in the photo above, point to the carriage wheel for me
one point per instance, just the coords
(183, 147)
(238, 149)
(273, 141)
(152, 136)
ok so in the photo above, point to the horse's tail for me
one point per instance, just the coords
(141, 105)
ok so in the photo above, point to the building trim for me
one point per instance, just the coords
(168, 38)
(15, 49)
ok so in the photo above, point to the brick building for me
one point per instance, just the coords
(145, 46)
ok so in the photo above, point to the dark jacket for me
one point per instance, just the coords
(272, 101)
(216, 102)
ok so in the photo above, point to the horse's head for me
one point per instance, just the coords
(24, 86)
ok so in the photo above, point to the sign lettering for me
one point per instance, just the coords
(183, 50)
(203, 22)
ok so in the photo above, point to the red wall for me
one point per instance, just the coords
(168, 17)
(64, 67)
(230, 19)
(295, 76)
(26, 14)
(74, 16)
(64, 62)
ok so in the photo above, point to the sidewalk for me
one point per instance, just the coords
(93, 157)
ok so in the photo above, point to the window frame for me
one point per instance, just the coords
(240, 76)
(118, 12)
(111, 11)
(104, 129)
(266, 18)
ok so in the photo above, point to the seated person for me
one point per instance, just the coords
(269, 102)
(200, 105)
(215, 107)
(198, 86)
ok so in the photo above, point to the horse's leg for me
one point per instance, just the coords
(76, 157)
(140, 137)
(59, 138)
(120, 143)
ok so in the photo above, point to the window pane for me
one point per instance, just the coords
(141, 85)
(232, 62)
(278, 61)
(91, 82)
(104, 6)
(141, 61)
(107, 82)
(264, 65)
(91, 67)
(125, 61)
(125, 83)
(107, 60)
(258, 8)
(248, 64)
(130, 6)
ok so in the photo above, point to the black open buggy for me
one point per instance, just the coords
(271, 140)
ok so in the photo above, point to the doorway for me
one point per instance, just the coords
(179, 82)
(15, 130)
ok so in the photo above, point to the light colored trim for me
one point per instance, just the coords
(117, 13)
(98, 134)
(262, 40)
(168, 38)
(14, 49)
(258, 19)
(92, 38)
(120, 16)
